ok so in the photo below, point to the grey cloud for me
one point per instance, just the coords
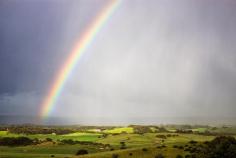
(152, 59)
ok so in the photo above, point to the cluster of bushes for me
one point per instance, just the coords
(192, 142)
(161, 136)
(162, 129)
(141, 129)
(220, 147)
(104, 135)
(145, 150)
(82, 152)
(90, 129)
(115, 156)
(172, 135)
(122, 145)
(72, 142)
(138, 129)
(3, 128)
(161, 146)
(17, 141)
(178, 146)
(187, 131)
(159, 156)
(38, 130)
(162, 156)
(179, 156)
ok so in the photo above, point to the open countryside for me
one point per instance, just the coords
(135, 141)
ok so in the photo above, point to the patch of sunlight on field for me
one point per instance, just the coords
(3, 133)
(7, 134)
(74, 136)
(81, 134)
(120, 130)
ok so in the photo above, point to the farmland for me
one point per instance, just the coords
(109, 142)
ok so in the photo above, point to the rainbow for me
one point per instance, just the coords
(73, 58)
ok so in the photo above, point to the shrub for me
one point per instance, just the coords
(48, 139)
(123, 147)
(193, 142)
(193, 156)
(15, 141)
(193, 150)
(68, 141)
(82, 152)
(159, 156)
(220, 147)
(141, 129)
(122, 143)
(161, 136)
(144, 149)
(163, 146)
(179, 156)
(115, 155)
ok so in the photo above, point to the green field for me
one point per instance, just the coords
(134, 143)
(74, 136)
(120, 130)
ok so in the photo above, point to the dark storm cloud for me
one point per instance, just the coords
(151, 58)
(34, 38)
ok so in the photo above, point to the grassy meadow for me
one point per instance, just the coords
(113, 142)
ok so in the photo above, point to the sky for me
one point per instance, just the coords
(151, 59)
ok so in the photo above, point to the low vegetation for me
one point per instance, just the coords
(16, 141)
(170, 141)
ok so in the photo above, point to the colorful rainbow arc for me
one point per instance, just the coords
(81, 46)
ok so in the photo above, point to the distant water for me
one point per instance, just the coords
(15, 119)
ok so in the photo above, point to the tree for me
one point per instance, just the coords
(179, 156)
(48, 139)
(15, 141)
(82, 152)
(115, 155)
(220, 147)
(223, 146)
(159, 156)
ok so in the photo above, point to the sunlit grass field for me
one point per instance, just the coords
(134, 144)
(120, 130)
(79, 136)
